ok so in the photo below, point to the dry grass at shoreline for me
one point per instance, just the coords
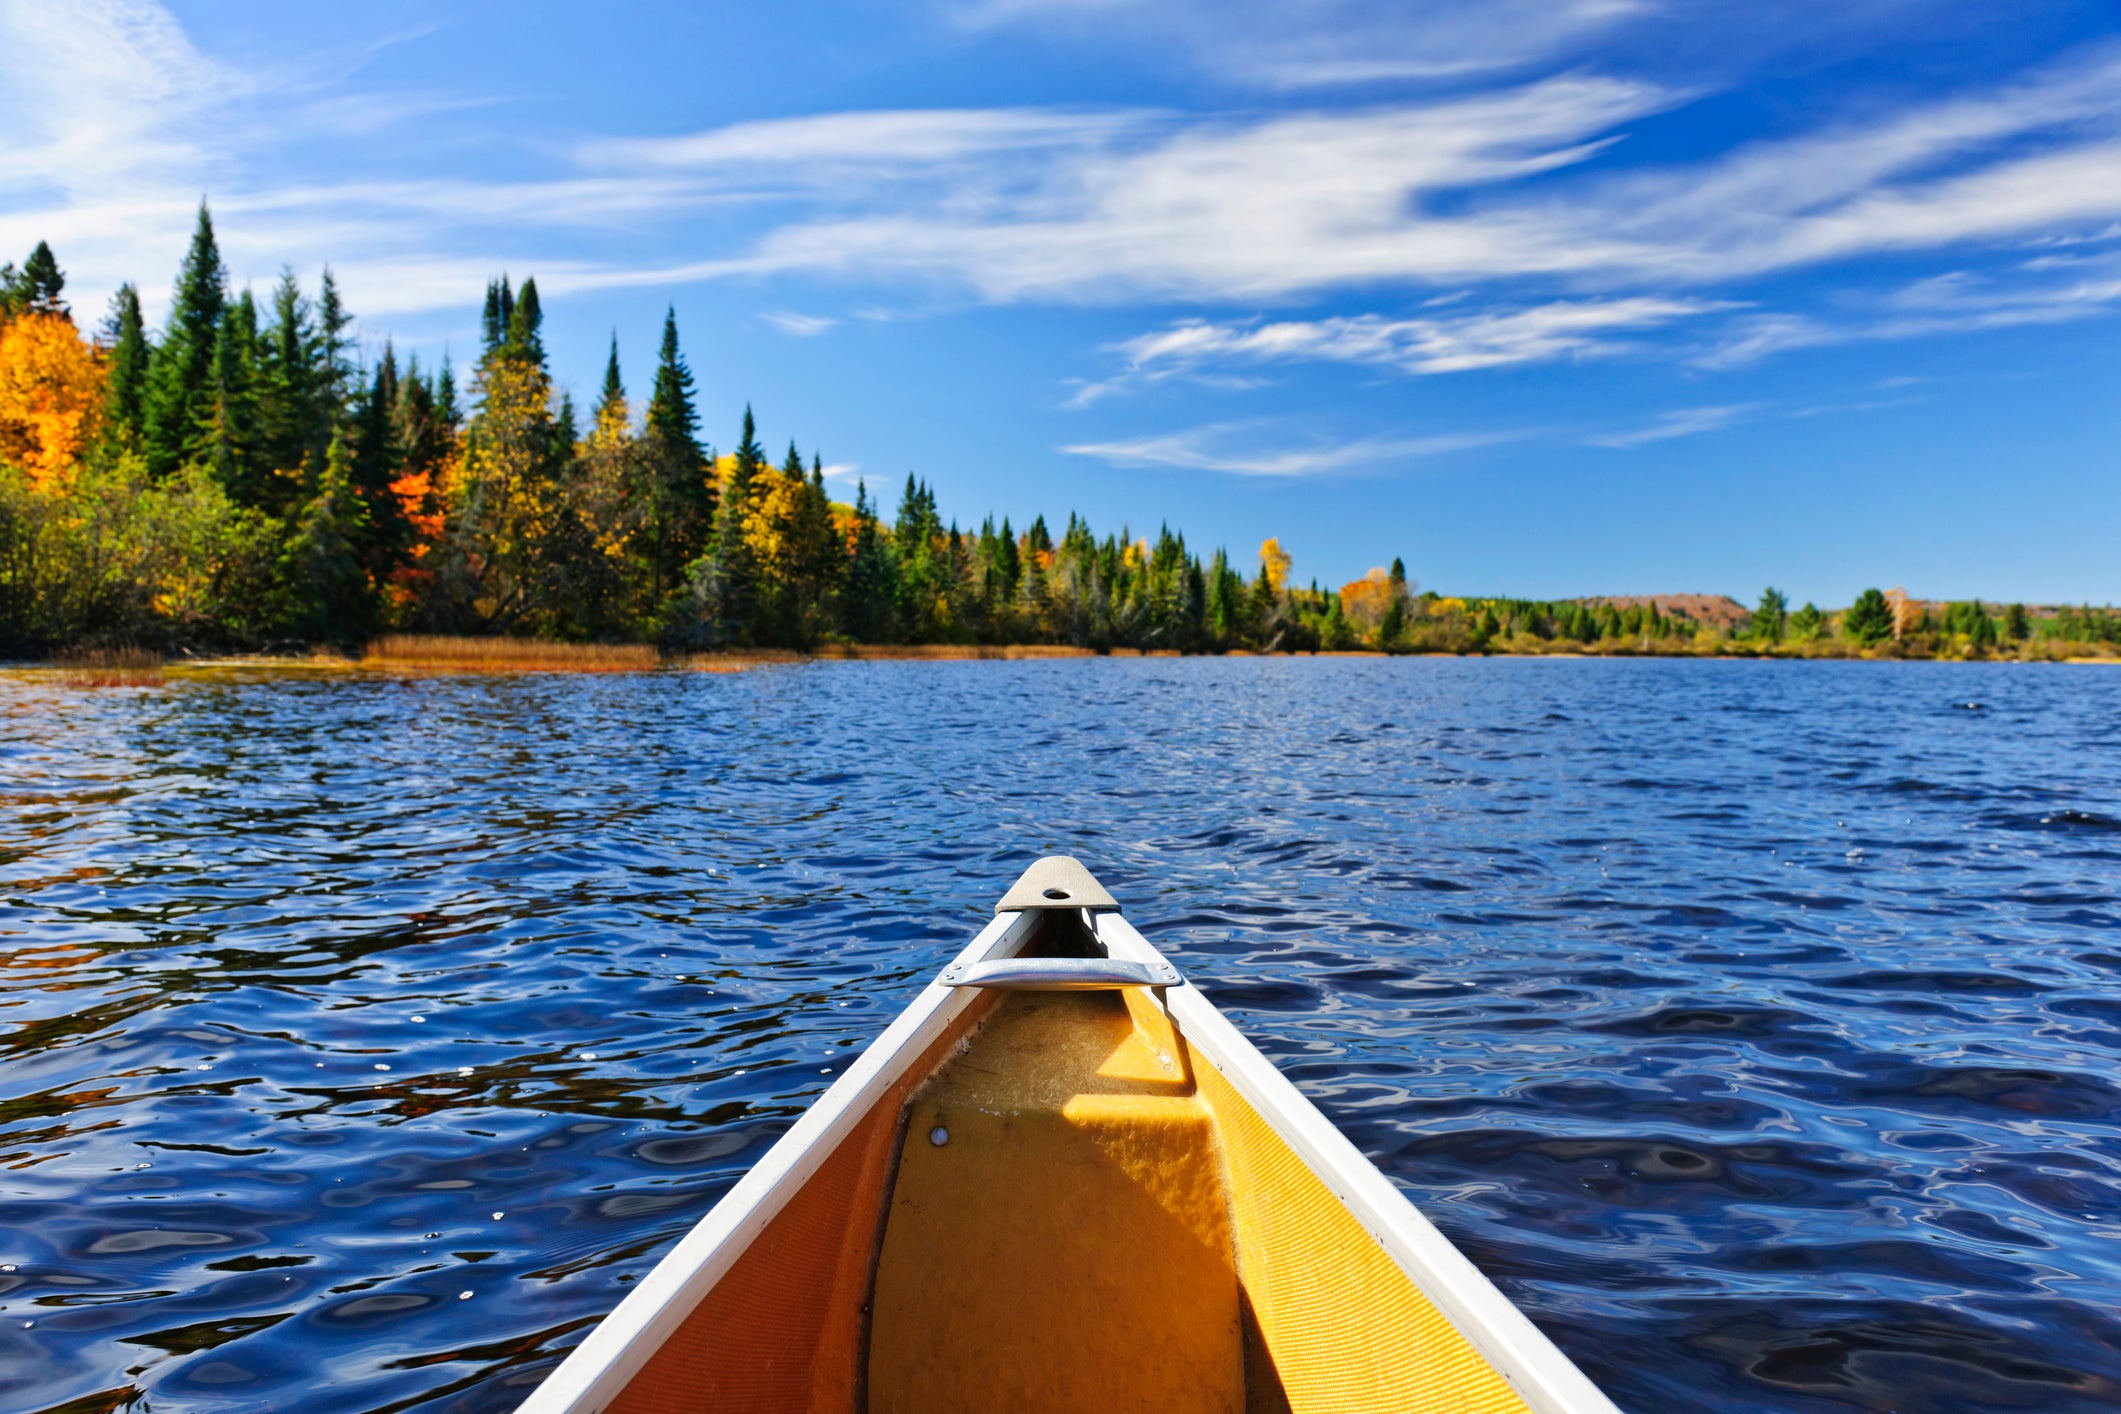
(111, 667)
(416, 650)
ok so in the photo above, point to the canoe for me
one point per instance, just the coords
(1061, 1180)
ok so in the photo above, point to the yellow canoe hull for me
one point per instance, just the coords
(1060, 1201)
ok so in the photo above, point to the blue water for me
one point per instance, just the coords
(1755, 1026)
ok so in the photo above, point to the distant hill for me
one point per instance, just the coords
(1716, 610)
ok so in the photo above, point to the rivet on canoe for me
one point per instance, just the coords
(938, 1136)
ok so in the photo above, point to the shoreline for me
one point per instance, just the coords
(514, 656)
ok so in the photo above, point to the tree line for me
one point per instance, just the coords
(241, 478)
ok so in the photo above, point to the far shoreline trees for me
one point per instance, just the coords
(239, 479)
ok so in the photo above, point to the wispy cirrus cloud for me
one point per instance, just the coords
(801, 326)
(1680, 422)
(1454, 343)
(1242, 450)
(1957, 302)
(1524, 193)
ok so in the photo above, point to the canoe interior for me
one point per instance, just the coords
(1105, 1226)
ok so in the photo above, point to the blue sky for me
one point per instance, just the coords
(1559, 298)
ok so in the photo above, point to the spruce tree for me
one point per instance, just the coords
(39, 285)
(526, 324)
(377, 460)
(125, 335)
(1869, 620)
(177, 379)
(334, 368)
(321, 563)
(296, 419)
(680, 489)
(230, 432)
(866, 608)
(736, 566)
(2017, 627)
(613, 393)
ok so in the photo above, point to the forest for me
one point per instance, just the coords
(241, 480)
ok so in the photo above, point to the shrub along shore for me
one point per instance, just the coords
(239, 482)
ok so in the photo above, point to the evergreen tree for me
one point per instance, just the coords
(1807, 623)
(1392, 628)
(331, 360)
(125, 335)
(1981, 631)
(447, 415)
(680, 491)
(736, 576)
(378, 460)
(613, 393)
(2017, 627)
(230, 433)
(1771, 616)
(866, 613)
(1869, 620)
(321, 564)
(39, 285)
(295, 414)
(500, 310)
(526, 325)
(178, 376)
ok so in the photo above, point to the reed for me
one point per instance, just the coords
(419, 650)
(113, 660)
(110, 667)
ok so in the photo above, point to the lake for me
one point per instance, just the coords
(1756, 1026)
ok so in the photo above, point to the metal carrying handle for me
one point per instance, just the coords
(1060, 974)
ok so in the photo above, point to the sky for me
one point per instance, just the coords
(1551, 298)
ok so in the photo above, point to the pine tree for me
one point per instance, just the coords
(1771, 616)
(334, 368)
(230, 432)
(526, 325)
(866, 610)
(1869, 620)
(613, 393)
(296, 419)
(321, 564)
(377, 460)
(39, 285)
(500, 309)
(2017, 627)
(177, 378)
(735, 565)
(447, 414)
(680, 490)
(125, 335)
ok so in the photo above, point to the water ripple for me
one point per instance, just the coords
(1754, 1025)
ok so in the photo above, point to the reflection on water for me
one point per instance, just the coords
(1755, 1025)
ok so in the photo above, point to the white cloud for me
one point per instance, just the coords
(1321, 43)
(801, 326)
(1682, 422)
(117, 124)
(1233, 448)
(1956, 303)
(1443, 344)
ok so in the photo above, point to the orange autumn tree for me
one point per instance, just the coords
(51, 397)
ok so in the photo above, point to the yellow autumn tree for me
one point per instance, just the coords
(51, 397)
(1274, 564)
(1365, 601)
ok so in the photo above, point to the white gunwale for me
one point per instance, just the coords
(608, 1358)
(614, 1352)
(1543, 1377)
